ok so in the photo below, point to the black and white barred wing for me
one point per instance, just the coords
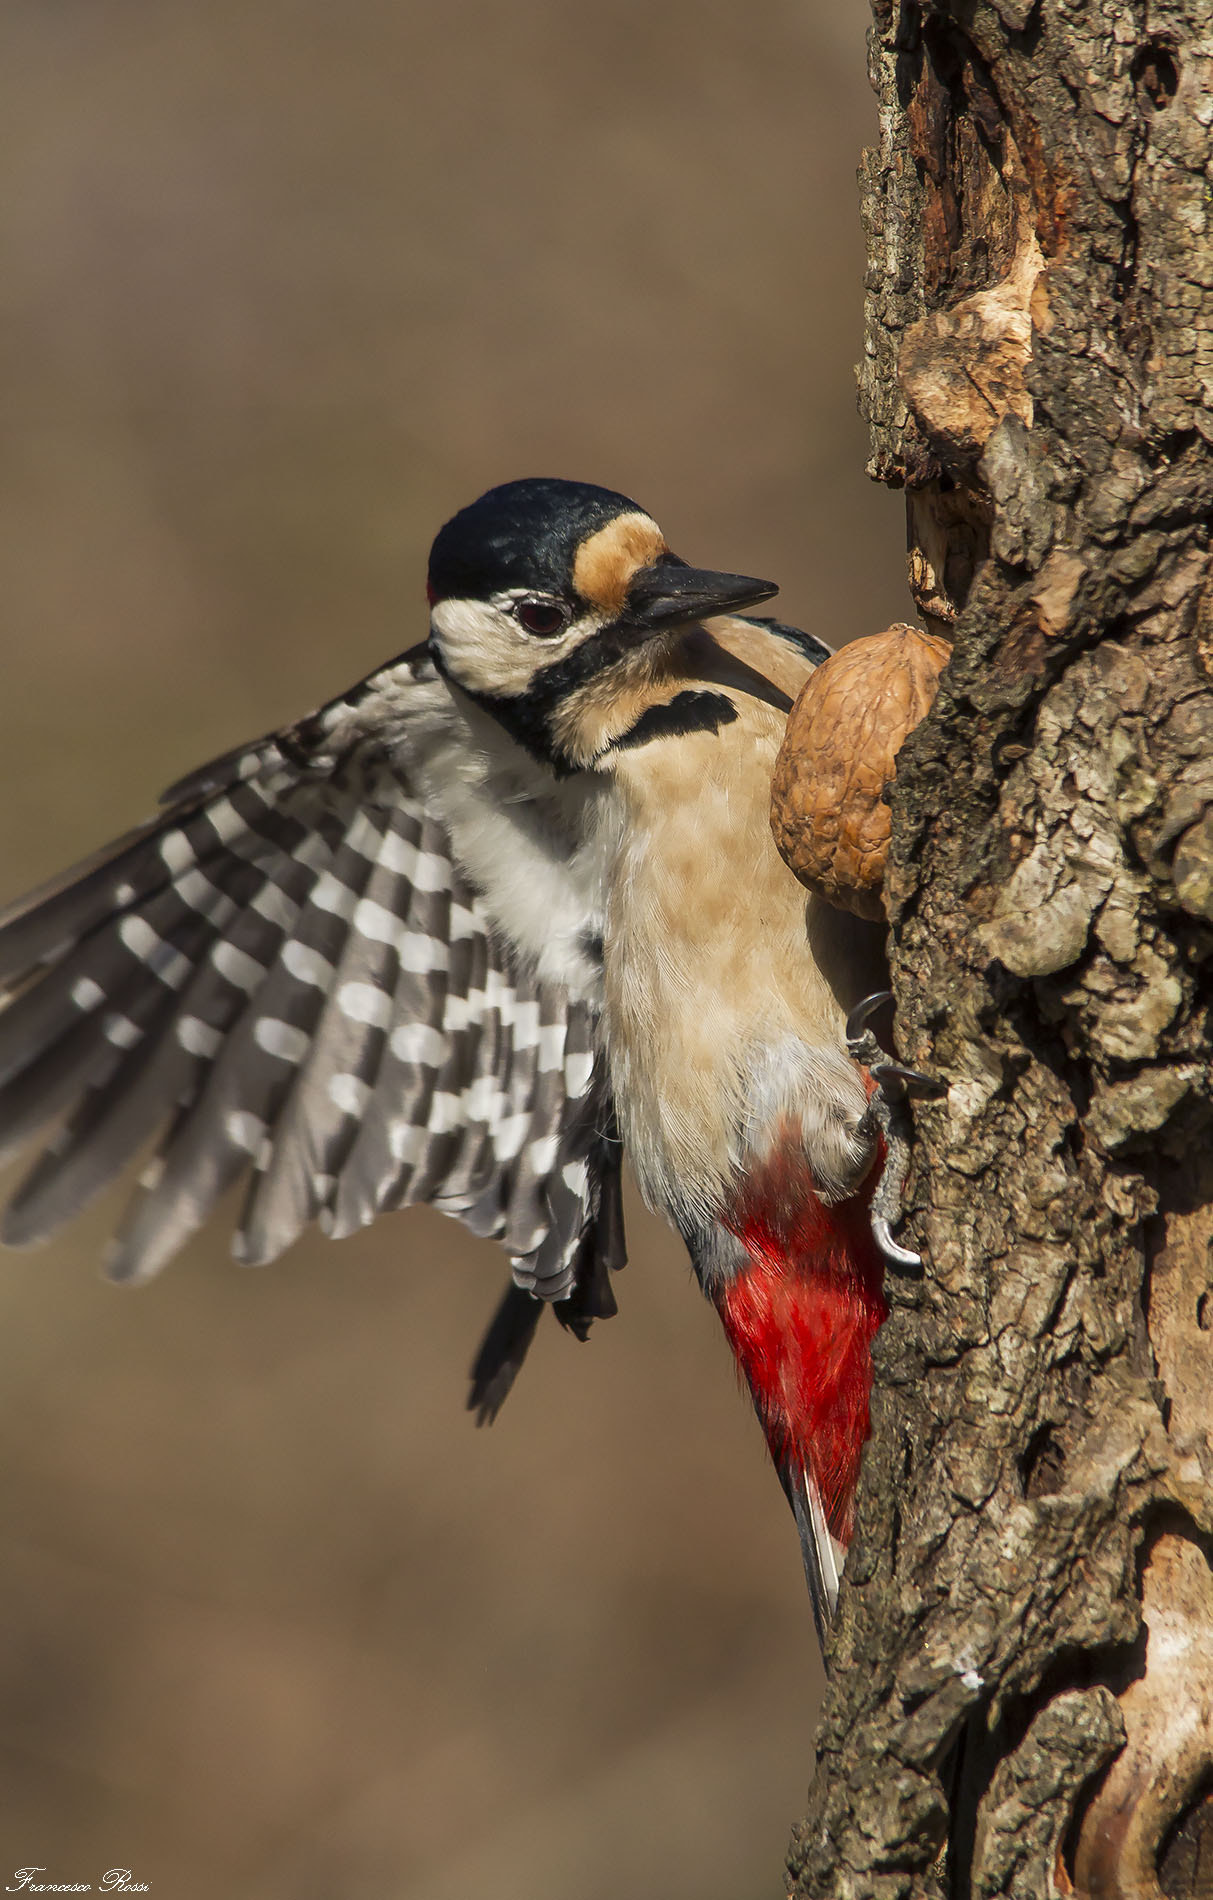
(287, 975)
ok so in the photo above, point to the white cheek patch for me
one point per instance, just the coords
(485, 650)
(482, 647)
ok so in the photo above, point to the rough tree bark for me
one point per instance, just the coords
(1022, 1673)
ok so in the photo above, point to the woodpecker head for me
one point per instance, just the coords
(558, 607)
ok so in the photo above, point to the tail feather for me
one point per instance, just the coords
(823, 1555)
(501, 1352)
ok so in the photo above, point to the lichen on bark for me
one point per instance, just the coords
(1038, 376)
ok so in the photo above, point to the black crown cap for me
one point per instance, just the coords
(522, 534)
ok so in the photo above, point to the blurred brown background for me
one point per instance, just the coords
(282, 286)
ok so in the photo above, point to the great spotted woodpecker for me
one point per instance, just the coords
(506, 910)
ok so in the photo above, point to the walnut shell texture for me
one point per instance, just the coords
(844, 733)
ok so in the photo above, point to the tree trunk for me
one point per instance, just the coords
(1022, 1672)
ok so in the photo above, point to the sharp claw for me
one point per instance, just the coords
(858, 1018)
(911, 1079)
(900, 1256)
(888, 1117)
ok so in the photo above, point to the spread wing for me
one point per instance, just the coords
(286, 975)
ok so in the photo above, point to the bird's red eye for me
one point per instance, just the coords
(541, 617)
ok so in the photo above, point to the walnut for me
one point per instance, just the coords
(844, 733)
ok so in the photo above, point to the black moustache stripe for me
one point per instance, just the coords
(527, 717)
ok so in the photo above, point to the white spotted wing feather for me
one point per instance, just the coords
(289, 976)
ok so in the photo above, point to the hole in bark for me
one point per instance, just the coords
(1203, 1318)
(1155, 75)
(1042, 1464)
(962, 146)
(1185, 1864)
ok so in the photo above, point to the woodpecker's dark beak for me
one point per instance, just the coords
(669, 594)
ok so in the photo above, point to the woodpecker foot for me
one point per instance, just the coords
(909, 1081)
(900, 1256)
(857, 1021)
(886, 1113)
(863, 1046)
